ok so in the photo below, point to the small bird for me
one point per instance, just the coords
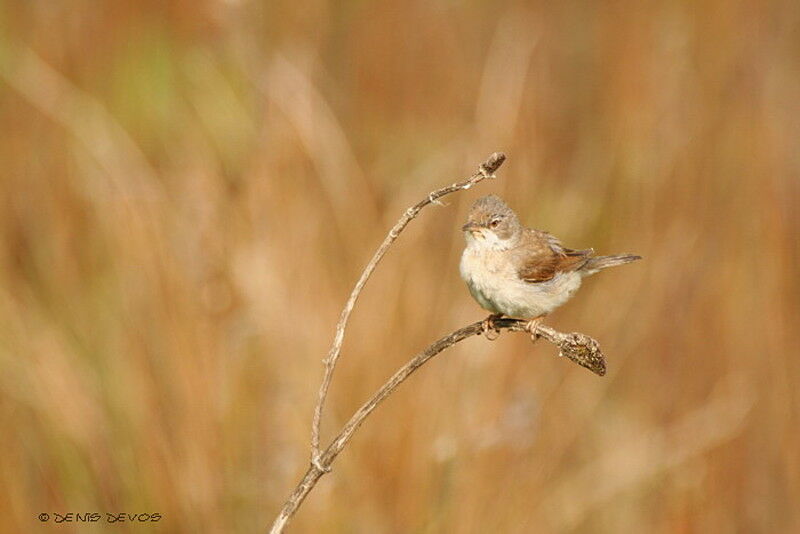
(520, 272)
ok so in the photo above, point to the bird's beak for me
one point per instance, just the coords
(470, 227)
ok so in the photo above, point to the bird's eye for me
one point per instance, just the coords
(494, 223)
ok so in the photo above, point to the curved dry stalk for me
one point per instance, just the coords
(580, 348)
(486, 170)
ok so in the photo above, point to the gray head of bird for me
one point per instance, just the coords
(491, 223)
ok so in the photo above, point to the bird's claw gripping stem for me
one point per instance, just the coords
(531, 327)
(489, 329)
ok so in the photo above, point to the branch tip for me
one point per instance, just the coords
(585, 351)
(494, 162)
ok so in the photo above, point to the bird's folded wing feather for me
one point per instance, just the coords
(542, 256)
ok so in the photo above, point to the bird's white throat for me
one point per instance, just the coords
(484, 239)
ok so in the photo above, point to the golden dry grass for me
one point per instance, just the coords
(189, 189)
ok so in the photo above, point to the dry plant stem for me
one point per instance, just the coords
(486, 170)
(578, 347)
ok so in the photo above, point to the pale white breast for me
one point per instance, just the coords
(493, 282)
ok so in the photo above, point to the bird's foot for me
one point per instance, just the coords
(531, 327)
(490, 330)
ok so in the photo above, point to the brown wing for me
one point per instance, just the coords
(542, 256)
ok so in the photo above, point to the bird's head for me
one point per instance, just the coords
(491, 223)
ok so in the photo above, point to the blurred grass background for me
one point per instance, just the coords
(190, 189)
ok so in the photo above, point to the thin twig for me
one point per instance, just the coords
(580, 348)
(486, 170)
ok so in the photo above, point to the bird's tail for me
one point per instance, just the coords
(598, 263)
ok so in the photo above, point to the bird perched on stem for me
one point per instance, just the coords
(521, 272)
